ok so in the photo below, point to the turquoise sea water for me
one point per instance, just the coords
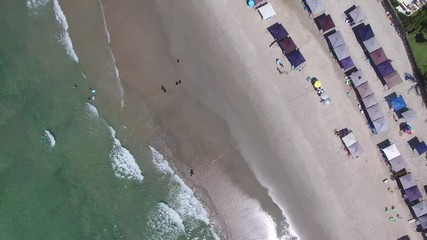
(64, 174)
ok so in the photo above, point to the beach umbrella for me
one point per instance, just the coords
(378, 56)
(407, 181)
(358, 78)
(371, 44)
(317, 84)
(357, 15)
(420, 209)
(409, 116)
(391, 152)
(251, 3)
(393, 79)
(385, 68)
(277, 31)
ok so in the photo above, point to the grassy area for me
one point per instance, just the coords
(420, 52)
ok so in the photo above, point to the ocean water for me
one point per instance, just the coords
(67, 170)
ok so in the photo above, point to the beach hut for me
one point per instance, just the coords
(335, 39)
(363, 32)
(392, 79)
(347, 64)
(421, 148)
(374, 112)
(381, 125)
(378, 56)
(409, 116)
(385, 69)
(413, 193)
(371, 44)
(398, 163)
(357, 15)
(407, 181)
(352, 145)
(391, 151)
(266, 11)
(358, 78)
(369, 101)
(287, 45)
(397, 103)
(277, 31)
(341, 52)
(324, 22)
(364, 90)
(316, 7)
(295, 58)
(423, 221)
(420, 209)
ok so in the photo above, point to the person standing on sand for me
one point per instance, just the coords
(163, 88)
(191, 172)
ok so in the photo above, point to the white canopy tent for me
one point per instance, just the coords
(267, 11)
(349, 139)
(391, 152)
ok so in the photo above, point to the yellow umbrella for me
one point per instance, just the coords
(317, 84)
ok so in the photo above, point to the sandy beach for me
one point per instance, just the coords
(261, 145)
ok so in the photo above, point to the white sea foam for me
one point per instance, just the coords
(116, 70)
(93, 112)
(64, 36)
(36, 4)
(182, 198)
(124, 163)
(50, 138)
(165, 223)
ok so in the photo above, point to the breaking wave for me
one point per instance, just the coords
(124, 163)
(64, 36)
(181, 198)
(49, 138)
(93, 112)
(165, 223)
(36, 4)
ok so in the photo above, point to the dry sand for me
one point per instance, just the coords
(259, 141)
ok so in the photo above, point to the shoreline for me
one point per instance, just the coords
(247, 132)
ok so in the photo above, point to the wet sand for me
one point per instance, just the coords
(256, 140)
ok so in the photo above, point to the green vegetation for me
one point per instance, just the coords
(416, 27)
(419, 49)
(417, 22)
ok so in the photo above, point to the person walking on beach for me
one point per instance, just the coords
(191, 172)
(163, 88)
(279, 63)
